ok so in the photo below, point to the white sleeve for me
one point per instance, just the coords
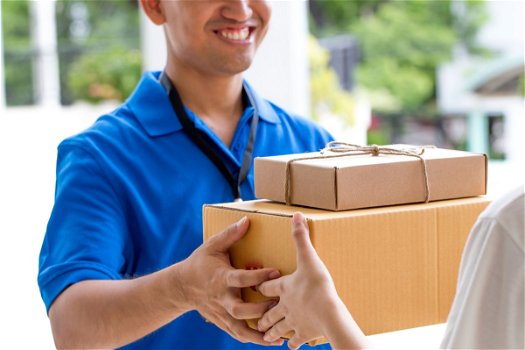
(488, 310)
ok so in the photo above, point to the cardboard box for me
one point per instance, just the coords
(394, 267)
(363, 181)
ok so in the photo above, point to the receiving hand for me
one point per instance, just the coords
(213, 286)
(303, 295)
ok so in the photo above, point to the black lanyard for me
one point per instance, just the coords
(202, 140)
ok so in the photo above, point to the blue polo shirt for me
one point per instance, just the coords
(129, 197)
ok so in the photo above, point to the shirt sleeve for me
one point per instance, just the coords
(488, 309)
(84, 237)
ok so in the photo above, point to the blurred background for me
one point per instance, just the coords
(443, 72)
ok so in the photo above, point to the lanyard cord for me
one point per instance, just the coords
(204, 143)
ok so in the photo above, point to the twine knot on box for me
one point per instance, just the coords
(335, 149)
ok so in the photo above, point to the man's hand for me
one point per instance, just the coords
(213, 287)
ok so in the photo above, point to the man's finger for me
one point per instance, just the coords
(240, 331)
(241, 310)
(246, 278)
(301, 236)
(221, 242)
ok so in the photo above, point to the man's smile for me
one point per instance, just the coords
(242, 34)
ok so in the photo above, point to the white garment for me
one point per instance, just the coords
(488, 310)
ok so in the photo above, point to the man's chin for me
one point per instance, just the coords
(236, 65)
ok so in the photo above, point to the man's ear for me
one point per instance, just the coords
(153, 11)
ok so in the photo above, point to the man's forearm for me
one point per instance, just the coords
(110, 314)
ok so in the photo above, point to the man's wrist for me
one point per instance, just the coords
(179, 287)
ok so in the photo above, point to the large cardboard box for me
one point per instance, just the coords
(394, 267)
(363, 181)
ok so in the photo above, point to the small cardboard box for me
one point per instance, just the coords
(394, 267)
(364, 181)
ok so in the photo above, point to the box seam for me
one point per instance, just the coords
(247, 210)
(486, 172)
(437, 279)
(336, 190)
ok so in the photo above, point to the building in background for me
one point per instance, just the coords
(483, 99)
(349, 126)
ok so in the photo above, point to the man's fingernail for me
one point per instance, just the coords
(274, 274)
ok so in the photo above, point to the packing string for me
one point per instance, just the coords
(344, 149)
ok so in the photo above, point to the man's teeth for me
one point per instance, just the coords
(236, 35)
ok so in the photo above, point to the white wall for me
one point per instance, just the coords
(280, 71)
(28, 140)
(505, 29)
(153, 44)
(44, 39)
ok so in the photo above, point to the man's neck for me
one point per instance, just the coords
(216, 100)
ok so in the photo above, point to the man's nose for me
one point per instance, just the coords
(238, 10)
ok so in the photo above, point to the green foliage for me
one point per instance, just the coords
(106, 75)
(329, 17)
(470, 17)
(15, 24)
(378, 137)
(109, 22)
(522, 85)
(103, 63)
(402, 86)
(17, 53)
(111, 34)
(401, 52)
(402, 43)
(326, 95)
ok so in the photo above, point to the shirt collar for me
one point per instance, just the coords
(265, 109)
(151, 105)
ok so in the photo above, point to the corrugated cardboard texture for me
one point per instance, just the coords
(364, 181)
(394, 267)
